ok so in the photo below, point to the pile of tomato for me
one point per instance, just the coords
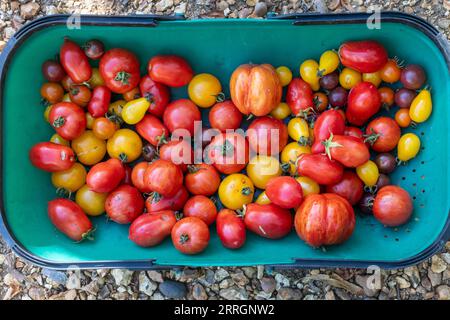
(303, 163)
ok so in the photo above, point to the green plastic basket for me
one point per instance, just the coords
(219, 46)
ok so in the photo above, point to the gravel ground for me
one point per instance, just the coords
(19, 280)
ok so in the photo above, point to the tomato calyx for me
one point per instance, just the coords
(63, 193)
(122, 77)
(226, 149)
(123, 157)
(59, 122)
(154, 196)
(111, 116)
(304, 141)
(246, 191)
(179, 215)
(89, 235)
(184, 238)
(192, 168)
(149, 97)
(371, 189)
(285, 167)
(371, 138)
(329, 143)
(220, 97)
(162, 140)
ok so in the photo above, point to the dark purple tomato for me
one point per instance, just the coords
(149, 152)
(338, 97)
(329, 81)
(366, 203)
(385, 162)
(403, 97)
(53, 71)
(383, 180)
(94, 49)
(413, 77)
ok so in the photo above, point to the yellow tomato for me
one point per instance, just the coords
(92, 203)
(421, 107)
(133, 111)
(204, 89)
(88, 148)
(116, 107)
(281, 112)
(349, 78)
(329, 61)
(262, 198)
(56, 138)
(368, 173)
(290, 154)
(47, 112)
(261, 169)
(96, 79)
(285, 75)
(408, 147)
(125, 145)
(309, 70)
(89, 120)
(235, 191)
(309, 186)
(374, 78)
(71, 179)
(298, 130)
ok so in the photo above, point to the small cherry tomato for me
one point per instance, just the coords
(262, 198)
(262, 131)
(385, 162)
(103, 128)
(368, 173)
(156, 93)
(125, 144)
(320, 168)
(155, 202)
(56, 138)
(88, 148)
(387, 97)
(96, 79)
(52, 71)
(291, 154)
(190, 235)
(134, 110)
(67, 83)
(366, 203)
(365, 56)
(202, 179)
(116, 107)
(80, 95)
(201, 207)
(309, 186)
(351, 152)
(408, 147)
(309, 72)
(285, 75)
(51, 157)
(402, 118)
(363, 102)
(382, 134)
(124, 204)
(282, 111)
(421, 107)
(153, 130)
(178, 152)
(403, 97)
(119, 69)
(99, 103)
(181, 114)
(329, 62)
(68, 119)
(390, 72)
(413, 77)
(137, 176)
(94, 49)
(105, 176)
(228, 152)
(392, 206)
(299, 96)
(224, 115)
(320, 100)
(349, 78)
(204, 89)
(69, 218)
(329, 81)
(329, 122)
(230, 229)
(374, 78)
(261, 169)
(93, 203)
(151, 229)
(47, 113)
(235, 191)
(149, 152)
(285, 192)
(354, 132)
(268, 221)
(350, 187)
(89, 121)
(52, 92)
(71, 179)
(338, 97)
(383, 180)
(75, 62)
(163, 177)
(173, 71)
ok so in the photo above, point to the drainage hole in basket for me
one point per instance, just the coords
(422, 162)
(414, 197)
(422, 177)
(403, 178)
(423, 190)
(422, 205)
(413, 170)
(396, 239)
(422, 133)
(414, 184)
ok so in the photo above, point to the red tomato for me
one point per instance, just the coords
(225, 115)
(268, 220)
(201, 207)
(163, 177)
(127, 178)
(329, 122)
(155, 202)
(152, 130)
(350, 187)
(124, 204)
(349, 151)
(181, 114)
(119, 69)
(157, 93)
(137, 176)
(51, 157)
(392, 206)
(190, 235)
(151, 229)
(230, 229)
(68, 119)
(364, 56)
(267, 135)
(173, 71)
(228, 152)
(178, 152)
(320, 168)
(354, 132)
(383, 134)
(324, 219)
(363, 102)
(74, 61)
(69, 218)
(299, 96)
(105, 176)
(99, 103)
(202, 179)
(285, 192)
